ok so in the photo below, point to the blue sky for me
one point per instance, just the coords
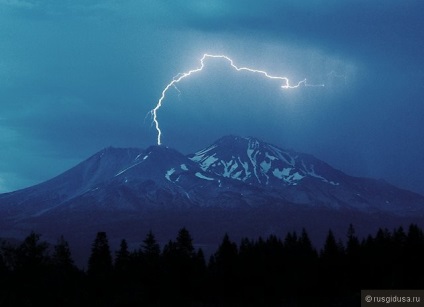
(78, 76)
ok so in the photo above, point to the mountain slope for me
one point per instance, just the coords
(256, 162)
(242, 170)
(301, 178)
(240, 185)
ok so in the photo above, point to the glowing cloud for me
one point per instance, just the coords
(285, 85)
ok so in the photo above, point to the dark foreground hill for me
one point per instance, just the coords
(242, 186)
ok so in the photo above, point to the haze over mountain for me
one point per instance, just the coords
(238, 185)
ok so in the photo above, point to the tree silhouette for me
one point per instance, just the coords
(353, 245)
(61, 257)
(353, 260)
(3, 268)
(332, 266)
(184, 244)
(29, 263)
(151, 267)
(269, 272)
(3, 275)
(122, 259)
(150, 247)
(64, 278)
(32, 254)
(333, 250)
(414, 250)
(179, 267)
(99, 271)
(225, 268)
(100, 261)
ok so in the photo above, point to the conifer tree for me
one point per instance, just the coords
(100, 261)
(226, 267)
(151, 269)
(332, 260)
(352, 246)
(150, 247)
(184, 244)
(305, 245)
(414, 249)
(179, 267)
(61, 257)
(122, 258)
(3, 268)
(333, 250)
(32, 254)
(354, 267)
(200, 260)
(226, 255)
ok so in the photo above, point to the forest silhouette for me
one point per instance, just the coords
(263, 272)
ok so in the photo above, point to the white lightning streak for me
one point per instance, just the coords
(181, 76)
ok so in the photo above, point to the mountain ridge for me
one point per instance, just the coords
(234, 162)
(244, 186)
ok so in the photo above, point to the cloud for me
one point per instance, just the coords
(3, 187)
(354, 28)
(76, 76)
(19, 3)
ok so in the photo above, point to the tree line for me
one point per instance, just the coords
(262, 272)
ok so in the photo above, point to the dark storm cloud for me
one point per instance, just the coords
(377, 127)
(76, 76)
(348, 27)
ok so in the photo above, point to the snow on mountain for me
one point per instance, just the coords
(244, 186)
(256, 162)
(243, 171)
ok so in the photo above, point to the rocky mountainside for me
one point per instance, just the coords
(240, 185)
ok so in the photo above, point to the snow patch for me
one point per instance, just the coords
(229, 167)
(251, 153)
(283, 156)
(201, 153)
(201, 176)
(285, 175)
(208, 161)
(272, 158)
(245, 165)
(297, 176)
(169, 173)
(237, 175)
(281, 174)
(196, 158)
(184, 167)
(312, 173)
(265, 166)
(124, 170)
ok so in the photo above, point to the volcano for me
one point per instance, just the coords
(242, 186)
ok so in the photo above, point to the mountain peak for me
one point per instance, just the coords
(233, 172)
(253, 161)
(164, 153)
(231, 139)
(264, 186)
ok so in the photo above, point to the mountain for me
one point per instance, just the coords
(300, 178)
(238, 185)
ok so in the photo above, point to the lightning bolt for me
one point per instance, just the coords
(179, 77)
